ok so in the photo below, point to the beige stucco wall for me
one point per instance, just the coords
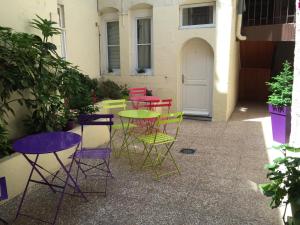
(167, 43)
(234, 65)
(295, 132)
(82, 35)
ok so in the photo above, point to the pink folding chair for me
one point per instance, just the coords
(165, 106)
(134, 94)
(137, 92)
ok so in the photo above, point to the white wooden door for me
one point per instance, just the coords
(197, 77)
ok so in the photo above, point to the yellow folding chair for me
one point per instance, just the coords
(162, 143)
(114, 105)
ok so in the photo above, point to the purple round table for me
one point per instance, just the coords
(45, 143)
(48, 143)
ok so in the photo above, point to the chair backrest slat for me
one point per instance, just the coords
(114, 104)
(165, 103)
(137, 91)
(170, 118)
(3, 189)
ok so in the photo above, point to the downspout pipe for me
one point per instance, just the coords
(99, 37)
(241, 10)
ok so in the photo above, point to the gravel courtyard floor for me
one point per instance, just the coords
(218, 184)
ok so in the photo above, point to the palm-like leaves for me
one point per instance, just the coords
(46, 27)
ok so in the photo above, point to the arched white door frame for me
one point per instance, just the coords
(197, 67)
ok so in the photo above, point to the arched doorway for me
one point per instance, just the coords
(197, 78)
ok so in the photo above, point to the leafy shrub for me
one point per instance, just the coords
(284, 180)
(30, 62)
(110, 90)
(281, 87)
(81, 100)
(5, 145)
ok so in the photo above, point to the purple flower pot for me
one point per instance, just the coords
(281, 123)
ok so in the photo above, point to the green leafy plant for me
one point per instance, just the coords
(284, 176)
(33, 73)
(281, 87)
(5, 144)
(46, 103)
(141, 70)
(148, 92)
(82, 100)
(108, 89)
(17, 62)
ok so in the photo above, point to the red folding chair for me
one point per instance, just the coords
(137, 92)
(134, 94)
(165, 106)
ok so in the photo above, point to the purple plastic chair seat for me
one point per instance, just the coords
(93, 153)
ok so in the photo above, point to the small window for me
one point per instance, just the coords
(198, 15)
(62, 26)
(144, 43)
(113, 46)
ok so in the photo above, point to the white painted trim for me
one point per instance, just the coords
(106, 18)
(62, 26)
(213, 25)
(189, 111)
(141, 14)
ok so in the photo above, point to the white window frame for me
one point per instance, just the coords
(148, 71)
(115, 71)
(181, 26)
(62, 26)
(106, 18)
(145, 13)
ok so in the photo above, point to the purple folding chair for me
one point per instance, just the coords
(3, 194)
(84, 154)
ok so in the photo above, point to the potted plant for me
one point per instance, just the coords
(141, 70)
(280, 100)
(71, 116)
(284, 185)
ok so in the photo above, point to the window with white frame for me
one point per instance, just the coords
(143, 44)
(198, 15)
(113, 46)
(62, 26)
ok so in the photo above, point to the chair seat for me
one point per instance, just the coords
(158, 138)
(93, 153)
(119, 126)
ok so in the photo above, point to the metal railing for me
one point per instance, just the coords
(266, 12)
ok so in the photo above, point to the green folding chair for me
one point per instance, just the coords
(158, 145)
(119, 104)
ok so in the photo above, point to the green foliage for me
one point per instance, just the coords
(81, 100)
(47, 27)
(17, 65)
(46, 104)
(148, 92)
(5, 145)
(284, 176)
(108, 89)
(48, 114)
(281, 87)
(30, 63)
